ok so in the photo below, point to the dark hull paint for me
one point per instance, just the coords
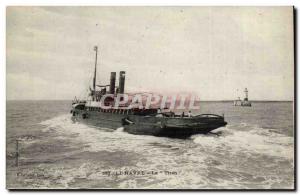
(150, 125)
(172, 127)
(98, 119)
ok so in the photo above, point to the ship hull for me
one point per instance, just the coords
(94, 118)
(183, 132)
(176, 127)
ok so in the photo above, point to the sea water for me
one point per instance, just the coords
(254, 151)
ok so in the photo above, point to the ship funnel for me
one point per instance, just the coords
(121, 82)
(112, 83)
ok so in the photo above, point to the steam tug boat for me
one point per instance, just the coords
(136, 120)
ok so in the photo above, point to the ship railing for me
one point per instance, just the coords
(209, 116)
(173, 115)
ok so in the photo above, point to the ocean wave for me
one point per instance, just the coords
(234, 158)
(255, 140)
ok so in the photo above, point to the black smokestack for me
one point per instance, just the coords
(112, 83)
(121, 82)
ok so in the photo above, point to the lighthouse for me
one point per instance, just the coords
(246, 94)
(244, 102)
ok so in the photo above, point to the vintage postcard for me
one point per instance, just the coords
(170, 98)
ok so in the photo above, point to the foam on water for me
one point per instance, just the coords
(98, 138)
(204, 161)
(254, 151)
(151, 148)
(255, 140)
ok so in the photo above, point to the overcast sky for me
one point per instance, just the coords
(214, 52)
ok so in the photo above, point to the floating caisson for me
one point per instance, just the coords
(140, 121)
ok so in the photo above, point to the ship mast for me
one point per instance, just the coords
(94, 80)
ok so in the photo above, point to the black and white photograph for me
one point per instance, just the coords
(150, 98)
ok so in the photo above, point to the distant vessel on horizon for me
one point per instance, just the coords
(244, 102)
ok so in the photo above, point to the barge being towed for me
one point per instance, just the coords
(137, 120)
